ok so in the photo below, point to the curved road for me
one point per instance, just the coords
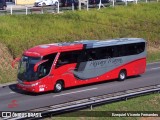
(13, 99)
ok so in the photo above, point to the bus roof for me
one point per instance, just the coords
(102, 43)
(46, 49)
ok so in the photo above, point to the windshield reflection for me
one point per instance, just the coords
(26, 68)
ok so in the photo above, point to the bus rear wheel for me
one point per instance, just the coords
(122, 75)
(58, 86)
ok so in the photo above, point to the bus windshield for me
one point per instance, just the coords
(26, 68)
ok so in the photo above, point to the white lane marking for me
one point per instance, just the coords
(153, 63)
(75, 92)
(12, 92)
(7, 93)
(153, 69)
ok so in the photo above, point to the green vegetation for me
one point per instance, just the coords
(144, 103)
(20, 32)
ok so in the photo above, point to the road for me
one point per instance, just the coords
(13, 99)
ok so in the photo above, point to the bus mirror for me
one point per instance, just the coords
(36, 65)
(14, 61)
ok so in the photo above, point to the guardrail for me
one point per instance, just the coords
(89, 102)
(57, 9)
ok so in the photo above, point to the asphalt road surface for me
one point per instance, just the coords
(13, 99)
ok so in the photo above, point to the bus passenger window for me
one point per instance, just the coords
(45, 67)
(67, 58)
(42, 71)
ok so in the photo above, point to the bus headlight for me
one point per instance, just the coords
(35, 84)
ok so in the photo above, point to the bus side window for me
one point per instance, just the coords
(91, 54)
(116, 51)
(45, 67)
(131, 50)
(121, 50)
(135, 48)
(109, 52)
(63, 59)
(103, 53)
(67, 58)
(140, 47)
(42, 70)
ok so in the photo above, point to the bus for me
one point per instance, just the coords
(61, 65)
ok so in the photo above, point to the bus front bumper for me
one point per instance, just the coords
(28, 88)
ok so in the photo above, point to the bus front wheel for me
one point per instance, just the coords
(122, 75)
(58, 86)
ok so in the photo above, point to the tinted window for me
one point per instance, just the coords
(140, 47)
(95, 54)
(136, 48)
(68, 58)
(112, 51)
(104, 52)
(45, 67)
(120, 50)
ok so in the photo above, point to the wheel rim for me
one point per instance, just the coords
(122, 76)
(58, 86)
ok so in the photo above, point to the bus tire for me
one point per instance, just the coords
(122, 75)
(58, 86)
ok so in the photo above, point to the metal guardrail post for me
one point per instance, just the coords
(26, 10)
(113, 3)
(87, 5)
(126, 2)
(91, 107)
(11, 11)
(99, 6)
(42, 10)
(79, 4)
(136, 1)
(58, 7)
(72, 6)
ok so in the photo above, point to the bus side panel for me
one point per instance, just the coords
(133, 68)
(136, 67)
(65, 73)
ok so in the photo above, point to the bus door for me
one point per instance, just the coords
(45, 70)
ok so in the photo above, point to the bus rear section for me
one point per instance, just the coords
(82, 62)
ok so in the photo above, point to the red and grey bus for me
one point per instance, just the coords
(62, 65)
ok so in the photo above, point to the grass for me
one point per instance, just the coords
(143, 103)
(20, 32)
